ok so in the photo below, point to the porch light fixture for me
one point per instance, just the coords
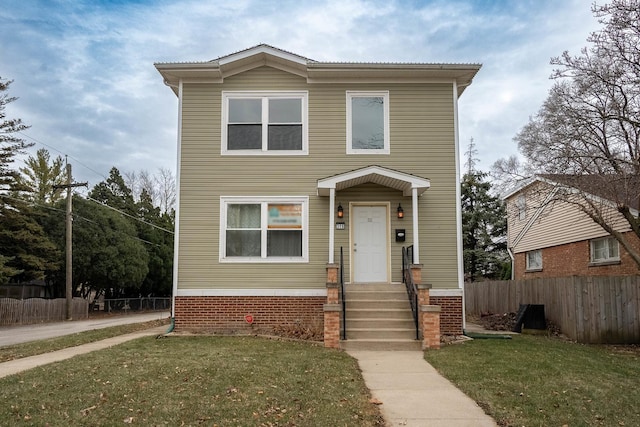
(340, 211)
(400, 211)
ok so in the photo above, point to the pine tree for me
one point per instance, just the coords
(26, 252)
(483, 226)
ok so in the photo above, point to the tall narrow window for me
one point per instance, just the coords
(521, 204)
(367, 122)
(264, 123)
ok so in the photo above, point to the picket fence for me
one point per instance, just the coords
(38, 310)
(587, 309)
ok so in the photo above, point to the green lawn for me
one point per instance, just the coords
(212, 381)
(540, 381)
(34, 348)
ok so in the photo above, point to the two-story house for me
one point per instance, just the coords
(549, 234)
(285, 162)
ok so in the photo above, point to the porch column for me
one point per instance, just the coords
(332, 208)
(414, 210)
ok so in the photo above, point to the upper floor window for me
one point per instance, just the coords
(521, 204)
(367, 122)
(263, 229)
(605, 250)
(534, 260)
(264, 123)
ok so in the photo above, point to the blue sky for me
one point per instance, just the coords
(83, 70)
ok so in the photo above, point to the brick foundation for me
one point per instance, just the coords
(227, 313)
(450, 314)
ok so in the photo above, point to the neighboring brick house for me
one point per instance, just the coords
(283, 160)
(548, 235)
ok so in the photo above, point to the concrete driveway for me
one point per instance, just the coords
(11, 335)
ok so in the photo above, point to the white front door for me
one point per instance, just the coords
(369, 250)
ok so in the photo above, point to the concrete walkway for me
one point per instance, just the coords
(15, 366)
(414, 394)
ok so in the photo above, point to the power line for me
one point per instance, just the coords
(130, 216)
(64, 154)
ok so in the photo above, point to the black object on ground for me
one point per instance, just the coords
(530, 316)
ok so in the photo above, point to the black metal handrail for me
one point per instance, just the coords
(344, 311)
(407, 279)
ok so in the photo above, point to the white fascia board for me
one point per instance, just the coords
(268, 50)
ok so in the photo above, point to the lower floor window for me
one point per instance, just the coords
(263, 229)
(534, 260)
(605, 250)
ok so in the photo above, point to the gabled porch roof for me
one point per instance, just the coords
(376, 174)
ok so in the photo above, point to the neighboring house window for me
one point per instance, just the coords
(521, 204)
(534, 260)
(367, 122)
(605, 250)
(264, 123)
(269, 229)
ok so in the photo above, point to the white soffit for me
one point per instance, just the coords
(377, 175)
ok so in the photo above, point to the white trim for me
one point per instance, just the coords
(176, 229)
(252, 292)
(416, 231)
(404, 182)
(303, 95)
(446, 293)
(608, 259)
(262, 49)
(263, 201)
(350, 94)
(458, 191)
(332, 207)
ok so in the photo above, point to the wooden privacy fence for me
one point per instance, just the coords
(587, 309)
(37, 310)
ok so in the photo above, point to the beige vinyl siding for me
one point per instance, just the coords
(561, 223)
(422, 143)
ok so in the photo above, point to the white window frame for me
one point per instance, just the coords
(264, 202)
(528, 255)
(265, 96)
(387, 144)
(521, 204)
(609, 240)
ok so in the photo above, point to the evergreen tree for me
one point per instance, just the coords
(25, 252)
(483, 226)
(159, 246)
(115, 193)
(40, 175)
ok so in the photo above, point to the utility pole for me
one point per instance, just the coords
(69, 238)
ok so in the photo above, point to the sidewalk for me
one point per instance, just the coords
(11, 335)
(414, 394)
(19, 365)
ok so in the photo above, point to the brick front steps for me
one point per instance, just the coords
(379, 317)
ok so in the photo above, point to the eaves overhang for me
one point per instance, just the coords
(315, 72)
(377, 175)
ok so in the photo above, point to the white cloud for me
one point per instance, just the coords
(84, 69)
